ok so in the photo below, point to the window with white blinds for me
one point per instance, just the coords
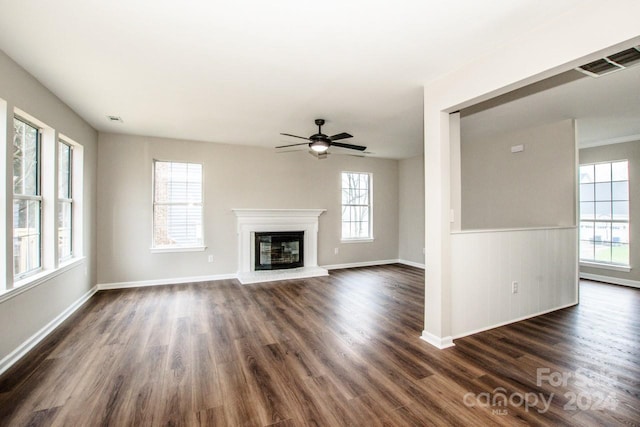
(604, 213)
(177, 205)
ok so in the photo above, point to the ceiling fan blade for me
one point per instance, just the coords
(353, 153)
(292, 145)
(349, 146)
(342, 135)
(295, 136)
(290, 150)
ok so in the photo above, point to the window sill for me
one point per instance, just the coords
(625, 268)
(367, 240)
(178, 249)
(29, 282)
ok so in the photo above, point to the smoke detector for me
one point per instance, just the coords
(612, 63)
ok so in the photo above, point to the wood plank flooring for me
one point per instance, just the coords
(341, 350)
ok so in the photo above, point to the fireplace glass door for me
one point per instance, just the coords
(279, 250)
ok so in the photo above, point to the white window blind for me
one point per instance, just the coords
(604, 213)
(177, 205)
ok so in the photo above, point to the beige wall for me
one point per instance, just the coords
(629, 151)
(25, 314)
(235, 177)
(534, 188)
(411, 210)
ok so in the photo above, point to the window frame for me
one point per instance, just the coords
(593, 262)
(38, 197)
(47, 178)
(69, 201)
(197, 247)
(369, 237)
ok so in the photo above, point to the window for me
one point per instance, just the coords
(604, 213)
(65, 201)
(27, 199)
(356, 206)
(177, 205)
(47, 203)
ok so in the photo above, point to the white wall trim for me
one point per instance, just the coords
(412, 264)
(506, 230)
(439, 343)
(162, 282)
(172, 249)
(508, 322)
(612, 280)
(358, 240)
(374, 263)
(614, 267)
(10, 359)
(618, 140)
(361, 264)
(195, 279)
(37, 279)
(544, 263)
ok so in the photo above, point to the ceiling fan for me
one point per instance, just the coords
(320, 142)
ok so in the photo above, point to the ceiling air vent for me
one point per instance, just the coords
(627, 57)
(615, 62)
(115, 119)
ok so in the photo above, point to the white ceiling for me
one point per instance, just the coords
(606, 109)
(241, 72)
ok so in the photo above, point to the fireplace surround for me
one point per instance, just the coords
(252, 221)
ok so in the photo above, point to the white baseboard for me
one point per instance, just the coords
(438, 342)
(374, 263)
(612, 280)
(195, 279)
(361, 264)
(10, 359)
(508, 322)
(412, 264)
(159, 282)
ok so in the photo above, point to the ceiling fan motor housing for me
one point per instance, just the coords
(319, 137)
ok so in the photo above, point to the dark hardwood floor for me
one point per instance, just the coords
(332, 351)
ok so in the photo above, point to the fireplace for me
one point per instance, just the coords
(279, 250)
(278, 221)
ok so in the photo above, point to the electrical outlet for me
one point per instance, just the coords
(514, 287)
(336, 251)
(210, 259)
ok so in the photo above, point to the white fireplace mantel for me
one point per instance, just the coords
(250, 221)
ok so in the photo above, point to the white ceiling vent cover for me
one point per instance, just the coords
(116, 119)
(612, 63)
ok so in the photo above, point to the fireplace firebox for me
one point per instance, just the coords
(279, 250)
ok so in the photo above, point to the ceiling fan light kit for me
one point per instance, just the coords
(319, 146)
(320, 143)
